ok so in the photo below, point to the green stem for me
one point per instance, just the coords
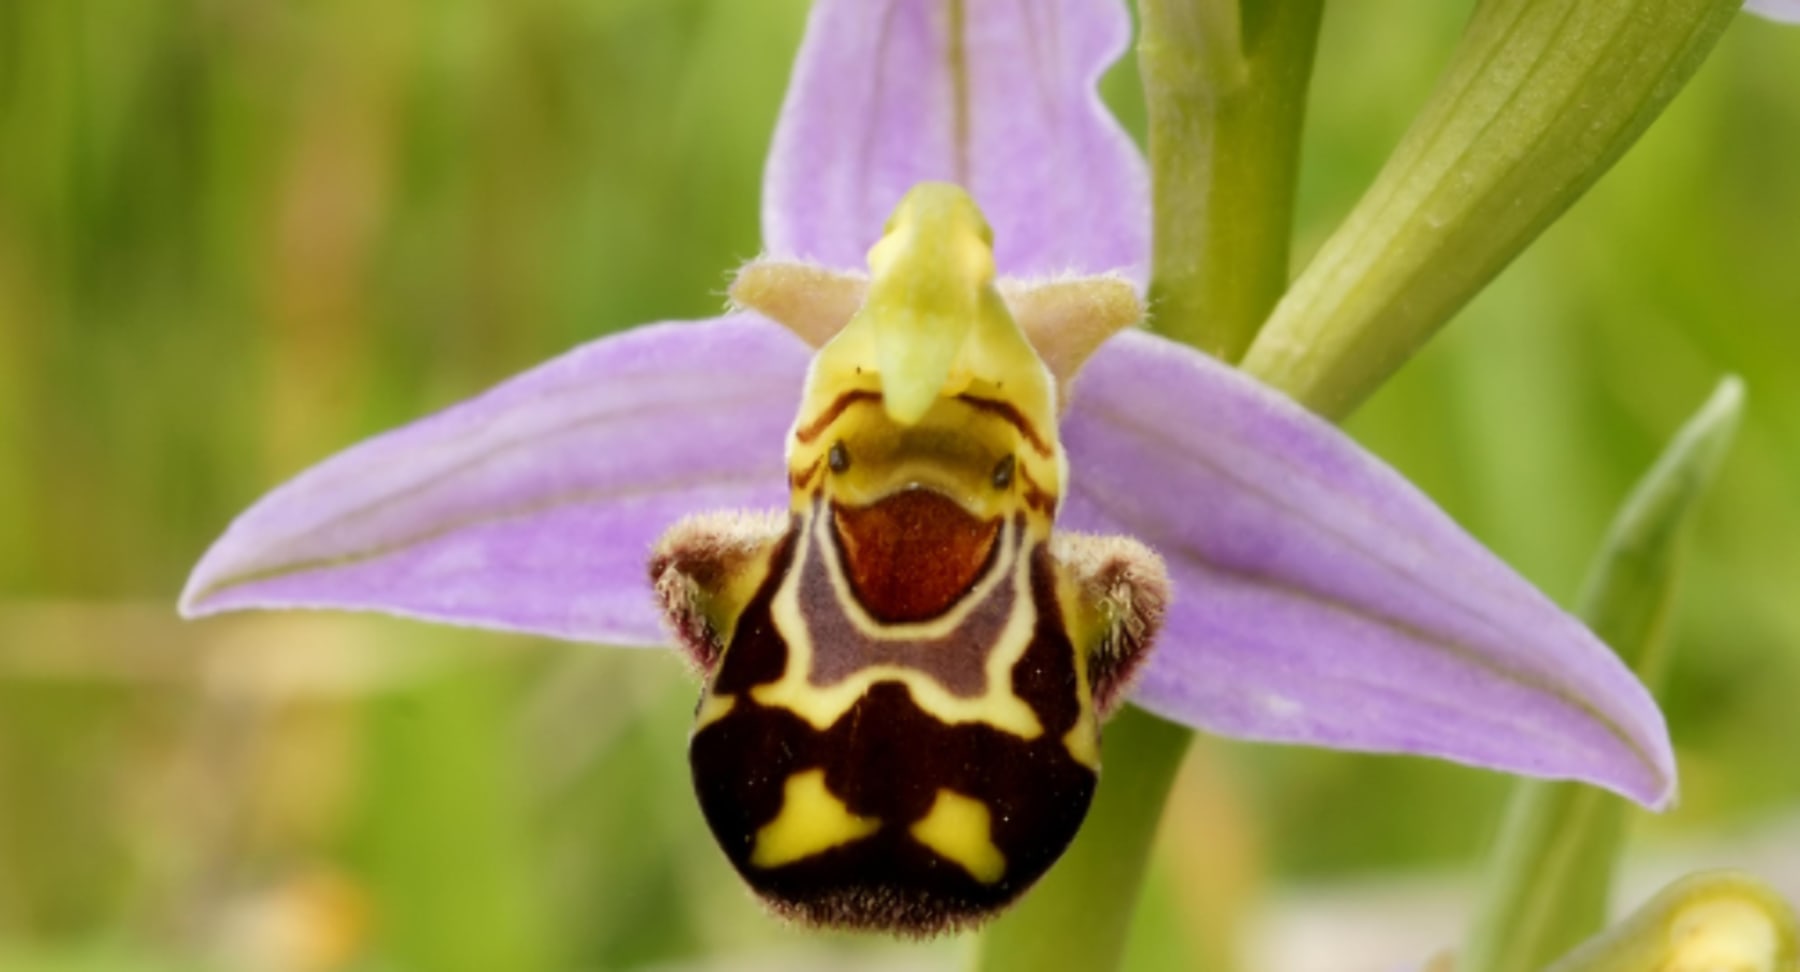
(1226, 92)
(1078, 915)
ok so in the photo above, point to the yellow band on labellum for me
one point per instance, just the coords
(811, 822)
(961, 829)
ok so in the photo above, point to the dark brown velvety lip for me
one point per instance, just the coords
(912, 555)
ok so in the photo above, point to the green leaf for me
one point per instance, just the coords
(1551, 872)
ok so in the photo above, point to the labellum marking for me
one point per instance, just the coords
(960, 829)
(1011, 413)
(810, 822)
(809, 433)
(956, 667)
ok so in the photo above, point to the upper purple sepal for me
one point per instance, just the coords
(532, 507)
(997, 96)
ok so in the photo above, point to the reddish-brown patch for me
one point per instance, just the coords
(1011, 414)
(912, 555)
(804, 480)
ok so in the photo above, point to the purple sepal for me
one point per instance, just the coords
(1320, 598)
(531, 507)
(886, 94)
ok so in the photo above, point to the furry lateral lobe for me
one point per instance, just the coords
(704, 569)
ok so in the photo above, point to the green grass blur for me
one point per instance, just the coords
(235, 237)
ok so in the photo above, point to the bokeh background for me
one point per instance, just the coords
(237, 235)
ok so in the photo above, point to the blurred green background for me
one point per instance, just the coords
(237, 235)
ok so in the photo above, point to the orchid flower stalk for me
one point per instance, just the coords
(698, 483)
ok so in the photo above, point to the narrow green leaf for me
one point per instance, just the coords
(1540, 99)
(1551, 872)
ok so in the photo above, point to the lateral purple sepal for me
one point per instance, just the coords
(531, 507)
(1320, 598)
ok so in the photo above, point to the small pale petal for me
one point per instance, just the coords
(813, 301)
(1783, 10)
(1066, 319)
(534, 506)
(997, 96)
(1320, 598)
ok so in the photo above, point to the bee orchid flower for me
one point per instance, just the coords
(921, 527)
